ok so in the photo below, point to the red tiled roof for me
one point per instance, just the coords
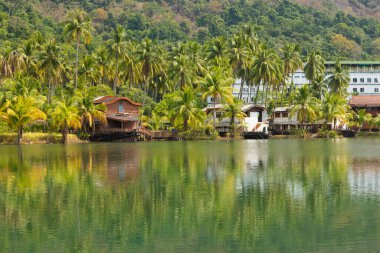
(365, 101)
(112, 99)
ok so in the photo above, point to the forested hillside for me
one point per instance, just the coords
(337, 35)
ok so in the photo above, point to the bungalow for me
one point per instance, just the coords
(122, 114)
(255, 120)
(371, 103)
(282, 122)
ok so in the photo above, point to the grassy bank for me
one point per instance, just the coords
(368, 134)
(37, 138)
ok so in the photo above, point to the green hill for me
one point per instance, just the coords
(337, 35)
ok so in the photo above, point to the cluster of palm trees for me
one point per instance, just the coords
(63, 115)
(179, 77)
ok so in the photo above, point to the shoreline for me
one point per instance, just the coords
(55, 138)
(30, 138)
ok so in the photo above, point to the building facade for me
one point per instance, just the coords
(364, 76)
(364, 80)
(122, 114)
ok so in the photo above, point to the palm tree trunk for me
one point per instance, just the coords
(277, 88)
(115, 80)
(93, 126)
(185, 123)
(266, 95)
(242, 86)
(249, 95)
(145, 87)
(257, 93)
(19, 135)
(49, 93)
(64, 135)
(282, 93)
(214, 113)
(156, 93)
(76, 62)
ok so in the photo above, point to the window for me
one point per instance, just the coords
(284, 114)
(376, 90)
(354, 80)
(375, 80)
(361, 89)
(362, 80)
(369, 80)
(277, 115)
(121, 108)
(355, 90)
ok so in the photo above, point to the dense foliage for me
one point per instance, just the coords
(61, 75)
(278, 22)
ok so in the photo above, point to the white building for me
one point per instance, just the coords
(364, 79)
(364, 76)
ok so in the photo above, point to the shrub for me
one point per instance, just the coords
(327, 134)
(198, 134)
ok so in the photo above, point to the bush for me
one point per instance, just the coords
(327, 134)
(207, 134)
(301, 133)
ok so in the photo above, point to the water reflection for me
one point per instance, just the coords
(266, 196)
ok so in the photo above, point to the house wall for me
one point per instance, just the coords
(283, 118)
(128, 107)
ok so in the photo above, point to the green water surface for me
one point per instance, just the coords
(208, 196)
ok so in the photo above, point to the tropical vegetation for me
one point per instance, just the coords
(53, 82)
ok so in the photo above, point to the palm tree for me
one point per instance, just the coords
(217, 86)
(90, 111)
(315, 66)
(240, 58)
(360, 118)
(305, 105)
(186, 108)
(88, 70)
(216, 49)
(17, 61)
(182, 70)
(155, 121)
(332, 108)
(150, 57)
(5, 68)
(118, 48)
(377, 121)
(233, 110)
(65, 116)
(50, 66)
(339, 81)
(78, 27)
(292, 60)
(131, 67)
(266, 70)
(21, 111)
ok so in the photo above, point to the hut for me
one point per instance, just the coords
(122, 119)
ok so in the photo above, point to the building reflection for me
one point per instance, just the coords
(122, 166)
(364, 176)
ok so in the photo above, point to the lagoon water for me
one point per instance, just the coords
(208, 196)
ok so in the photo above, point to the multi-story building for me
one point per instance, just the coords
(364, 79)
(364, 76)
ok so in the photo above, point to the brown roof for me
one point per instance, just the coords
(365, 101)
(112, 99)
(125, 117)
